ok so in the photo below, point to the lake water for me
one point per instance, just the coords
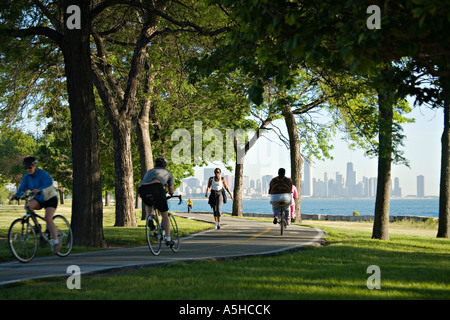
(410, 207)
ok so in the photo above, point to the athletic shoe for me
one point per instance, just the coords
(56, 247)
(170, 243)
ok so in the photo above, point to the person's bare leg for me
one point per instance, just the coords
(166, 223)
(49, 212)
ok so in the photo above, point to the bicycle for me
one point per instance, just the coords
(282, 221)
(155, 231)
(23, 234)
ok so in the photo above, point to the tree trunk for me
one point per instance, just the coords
(87, 211)
(240, 152)
(145, 149)
(296, 158)
(107, 198)
(444, 191)
(381, 221)
(143, 132)
(121, 120)
(123, 168)
(61, 195)
(238, 188)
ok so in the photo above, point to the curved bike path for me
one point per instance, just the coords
(236, 238)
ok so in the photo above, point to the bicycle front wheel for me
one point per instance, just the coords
(154, 236)
(174, 234)
(65, 236)
(22, 240)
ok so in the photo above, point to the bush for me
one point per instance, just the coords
(356, 213)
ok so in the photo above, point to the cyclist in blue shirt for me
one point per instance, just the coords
(40, 183)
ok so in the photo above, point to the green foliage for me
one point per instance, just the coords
(14, 146)
(284, 35)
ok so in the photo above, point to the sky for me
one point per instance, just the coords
(422, 149)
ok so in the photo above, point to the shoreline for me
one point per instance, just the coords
(332, 217)
(197, 197)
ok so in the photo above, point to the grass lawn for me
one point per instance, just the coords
(413, 264)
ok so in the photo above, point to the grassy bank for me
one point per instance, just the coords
(413, 266)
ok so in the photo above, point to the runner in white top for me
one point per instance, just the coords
(217, 184)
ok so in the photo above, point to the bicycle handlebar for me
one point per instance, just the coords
(24, 196)
(175, 196)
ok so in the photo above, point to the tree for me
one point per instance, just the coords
(334, 35)
(306, 137)
(242, 144)
(49, 21)
(444, 190)
(38, 24)
(155, 21)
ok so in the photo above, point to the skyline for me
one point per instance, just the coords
(344, 183)
(422, 148)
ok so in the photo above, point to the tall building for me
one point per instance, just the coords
(350, 181)
(339, 187)
(420, 186)
(365, 187)
(246, 182)
(265, 183)
(397, 191)
(307, 187)
(373, 186)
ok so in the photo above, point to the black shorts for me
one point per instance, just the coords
(50, 203)
(159, 196)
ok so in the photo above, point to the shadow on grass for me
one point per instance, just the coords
(411, 268)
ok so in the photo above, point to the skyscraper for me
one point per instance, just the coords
(420, 186)
(307, 187)
(397, 191)
(350, 182)
(265, 183)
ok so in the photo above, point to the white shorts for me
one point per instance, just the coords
(281, 197)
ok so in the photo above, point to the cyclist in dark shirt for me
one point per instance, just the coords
(153, 183)
(280, 190)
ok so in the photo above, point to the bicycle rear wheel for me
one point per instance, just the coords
(22, 240)
(174, 234)
(153, 233)
(65, 236)
(282, 222)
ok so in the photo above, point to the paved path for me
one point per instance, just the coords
(236, 238)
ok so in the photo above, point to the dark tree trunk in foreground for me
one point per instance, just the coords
(87, 207)
(143, 132)
(444, 191)
(296, 158)
(381, 221)
(238, 188)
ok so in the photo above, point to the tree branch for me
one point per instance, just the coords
(33, 31)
